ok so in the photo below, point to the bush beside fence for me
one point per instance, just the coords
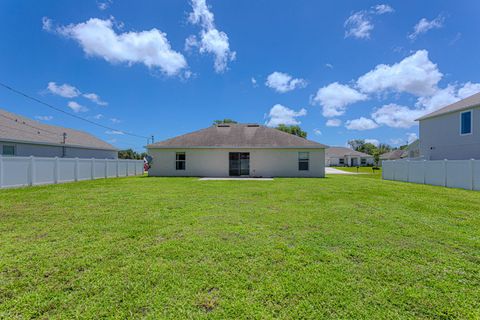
(463, 174)
(29, 171)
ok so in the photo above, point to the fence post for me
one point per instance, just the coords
(92, 172)
(135, 167)
(106, 168)
(445, 171)
(55, 171)
(76, 169)
(424, 171)
(117, 166)
(1, 171)
(126, 173)
(472, 180)
(32, 171)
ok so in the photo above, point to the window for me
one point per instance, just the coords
(363, 161)
(341, 161)
(466, 122)
(180, 160)
(8, 150)
(303, 161)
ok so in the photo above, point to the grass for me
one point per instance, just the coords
(361, 170)
(341, 247)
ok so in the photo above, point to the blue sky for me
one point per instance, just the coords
(341, 69)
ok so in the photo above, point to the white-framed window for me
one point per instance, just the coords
(8, 150)
(341, 161)
(303, 161)
(363, 161)
(180, 161)
(466, 122)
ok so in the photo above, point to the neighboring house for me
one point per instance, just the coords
(20, 136)
(341, 156)
(393, 155)
(413, 150)
(452, 132)
(237, 150)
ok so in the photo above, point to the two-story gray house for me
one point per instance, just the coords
(24, 137)
(452, 132)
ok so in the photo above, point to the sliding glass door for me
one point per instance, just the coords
(239, 163)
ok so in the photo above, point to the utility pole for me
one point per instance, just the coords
(152, 139)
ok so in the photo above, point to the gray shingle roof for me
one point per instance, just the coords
(20, 129)
(237, 136)
(342, 152)
(393, 155)
(472, 101)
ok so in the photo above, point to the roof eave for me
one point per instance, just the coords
(56, 144)
(235, 147)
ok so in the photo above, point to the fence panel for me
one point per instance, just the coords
(25, 171)
(464, 174)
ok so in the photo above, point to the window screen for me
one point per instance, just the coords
(180, 161)
(303, 159)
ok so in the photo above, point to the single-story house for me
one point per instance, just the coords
(341, 156)
(452, 132)
(20, 136)
(396, 154)
(246, 150)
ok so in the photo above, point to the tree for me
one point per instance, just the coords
(383, 148)
(362, 146)
(130, 154)
(226, 120)
(295, 130)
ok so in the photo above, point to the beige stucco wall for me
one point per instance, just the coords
(215, 163)
(440, 138)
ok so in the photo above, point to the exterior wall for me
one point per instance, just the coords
(440, 138)
(215, 162)
(335, 161)
(38, 150)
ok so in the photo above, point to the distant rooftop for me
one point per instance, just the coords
(231, 135)
(342, 152)
(472, 101)
(21, 129)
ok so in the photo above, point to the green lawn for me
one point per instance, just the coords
(340, 247)
(361, 170)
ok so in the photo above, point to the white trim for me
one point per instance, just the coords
(471, 122)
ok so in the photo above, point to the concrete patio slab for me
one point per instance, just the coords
(239, 179)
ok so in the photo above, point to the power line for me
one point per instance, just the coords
(68, 113)
(28, 125)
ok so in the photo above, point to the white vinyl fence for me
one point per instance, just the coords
(463, 174)
(29, 171)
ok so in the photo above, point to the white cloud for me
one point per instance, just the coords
(425, 25)
(98, 38)
(115, 120)
(335, 97)
(64, 90)
(77, 107)
(103, 5)
(254, 82)
(98, 116)
(44, 118)
(114, 132)
(317, 132)
(382, 9)
(282, 115)
(212, 40)
(95, 98)
(468, 89)
(334, 123)
(46, 24)
(329, 65)
(375, 142)
(283, 82)
(415, 74)
(411, 137)
(358, 25)
(396, 116)
(361, 123)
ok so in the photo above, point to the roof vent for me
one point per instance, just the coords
(223, 125)
(253, 125)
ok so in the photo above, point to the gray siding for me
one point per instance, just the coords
(38, 150)
(215, 162)
(440, 137)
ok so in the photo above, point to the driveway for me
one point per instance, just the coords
(329, 170)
